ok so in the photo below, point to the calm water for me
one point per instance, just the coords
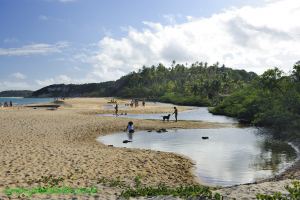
(230, 156)
(196, 114)
(23, 101)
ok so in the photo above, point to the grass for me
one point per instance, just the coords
(51, 185)
(28, 192)
(139, 190)
(162, 190)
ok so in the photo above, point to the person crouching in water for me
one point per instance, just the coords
(130, 129)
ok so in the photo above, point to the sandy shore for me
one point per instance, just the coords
(62, 143)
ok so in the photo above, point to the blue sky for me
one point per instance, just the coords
(77, 41)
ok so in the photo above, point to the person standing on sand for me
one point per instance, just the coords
(116, 109)
(175, 113)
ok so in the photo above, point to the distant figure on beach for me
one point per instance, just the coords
(5, 104)
(175, 113)
(10, 103)
(130, 130)
(143, 103)
(116, 109)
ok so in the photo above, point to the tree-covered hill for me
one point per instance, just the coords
(16, 93)
(73, 90)
(198, 84)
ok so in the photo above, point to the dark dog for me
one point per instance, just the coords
(166, 117)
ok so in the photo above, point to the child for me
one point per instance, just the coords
(130, 129)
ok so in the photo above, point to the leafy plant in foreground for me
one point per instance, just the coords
(182, 191)
(293, 193)
(28, 192)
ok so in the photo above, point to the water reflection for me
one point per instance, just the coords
(230, 155)
(273, 156)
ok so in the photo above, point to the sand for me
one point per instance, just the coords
(62, 143)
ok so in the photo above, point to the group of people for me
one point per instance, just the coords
(6, 104)
(134, 102)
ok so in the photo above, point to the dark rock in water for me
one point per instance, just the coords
(205, 138)
(149, 131)
(126, 141)
(162, 130)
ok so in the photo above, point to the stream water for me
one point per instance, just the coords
(228, 157)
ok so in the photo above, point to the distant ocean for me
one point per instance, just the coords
(24, 101)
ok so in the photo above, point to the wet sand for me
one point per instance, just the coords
(62, 143)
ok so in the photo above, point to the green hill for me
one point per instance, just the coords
(16, 93)
(198, 84)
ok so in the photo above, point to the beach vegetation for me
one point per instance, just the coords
(162, 190)
(28, 192)
(293, 193)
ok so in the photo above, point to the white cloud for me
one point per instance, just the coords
(10, 40)
(14, 85)
(43, 17)
(57, 80)
(66, 1)
(60, 79)
(253, 38)
(18, 75)
(34, 49)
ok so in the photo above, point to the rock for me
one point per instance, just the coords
(126, 141)
(205, 138)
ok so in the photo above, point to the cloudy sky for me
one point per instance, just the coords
(43, 42)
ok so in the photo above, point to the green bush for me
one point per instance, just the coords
(293, 193)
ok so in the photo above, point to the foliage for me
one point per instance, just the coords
(15, 93)
(162, 190)
(271, 100)
(293, 193)
(198, 84)
(49, 190)
(49, 185)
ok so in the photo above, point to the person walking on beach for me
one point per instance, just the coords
(175, 113)
(116, 109)
(10, 103)
(143, 103)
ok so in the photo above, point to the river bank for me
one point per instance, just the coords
(62, 143)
